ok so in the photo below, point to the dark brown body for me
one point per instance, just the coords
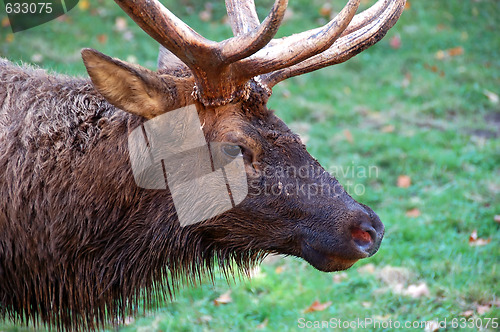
(79, 235)
(81, 244)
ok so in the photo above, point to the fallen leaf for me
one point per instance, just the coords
(102, 38)
(366, 304)
(368, 269)
(5, 22)
(206, 15)
(417, 291)
(224, 298)
(388, 129)
(493, 97)
(456, 51)
(441, 27)
(406, 81)
(339, 277)
(9, 38)
(394, 276)
(325, 10)
(263, 325)
(205, 319)
(467, 313)
(382, 318)
(279, 269)
(83, 5)
(120, 24)
(440, 55)
(475, 241)
(348, 136)
(317, 306)
(432, 326)
(407, 5)
(395, 42)
(482, 309)
(413, 213)
(404, 181)
(497, 218)
(37, 58)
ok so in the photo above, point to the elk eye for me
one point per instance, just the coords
(232, 151)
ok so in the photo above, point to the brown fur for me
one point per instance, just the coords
(81, 245)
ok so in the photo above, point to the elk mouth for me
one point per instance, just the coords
(362, 241)
(325, 261)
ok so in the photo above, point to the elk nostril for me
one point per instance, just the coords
(363, 236)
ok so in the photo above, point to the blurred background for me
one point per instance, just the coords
(422, 107)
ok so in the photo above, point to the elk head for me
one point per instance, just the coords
(293, 205)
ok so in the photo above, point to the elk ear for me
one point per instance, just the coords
(133, 88)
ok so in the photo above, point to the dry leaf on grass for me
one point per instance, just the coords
(395, 42)
(348, 136)
(404, 181)
(413, 213)
(325, 10)
(417, 291)
(339, 277)
(205, 319)
(368, 268)
(455, 51)
(224, 298)
(493, 97)
(102, 38)
(482, 309)
(279, 269)
(366, 304)
(497, 218)
(120, 24)
(467, 313)
(475, 241)
(263, 325)
(5, 22)
(432, 326)
(83, 5)
(388, 129)
(394, 276)
(317, 306)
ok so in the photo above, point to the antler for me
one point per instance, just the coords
(222, 70)
(365, 30)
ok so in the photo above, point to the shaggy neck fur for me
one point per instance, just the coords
(72, 255)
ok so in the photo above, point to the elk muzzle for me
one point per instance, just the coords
(333, 246)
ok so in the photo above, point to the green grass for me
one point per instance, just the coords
(409, 113)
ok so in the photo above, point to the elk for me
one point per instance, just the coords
(82, 245)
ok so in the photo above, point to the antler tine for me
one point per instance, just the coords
(350, 45)
(246, 44)
(242, 16)
(168, 30)
(366, 17)
(293, 49)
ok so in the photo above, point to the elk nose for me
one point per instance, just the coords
(367, 232)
